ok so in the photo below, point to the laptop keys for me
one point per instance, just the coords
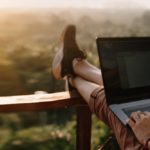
(129, 111)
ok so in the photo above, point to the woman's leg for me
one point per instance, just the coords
(87, 71)
(84, 87)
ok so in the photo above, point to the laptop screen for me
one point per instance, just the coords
(132, 72)
(125, 64)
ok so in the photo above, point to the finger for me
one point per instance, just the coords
(135, 116)
(142, 116)
(139, 111)
(131, 123)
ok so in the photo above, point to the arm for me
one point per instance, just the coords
(140, 124)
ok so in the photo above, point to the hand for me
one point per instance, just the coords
(140, 124)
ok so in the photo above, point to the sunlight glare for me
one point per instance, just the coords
(75, 3)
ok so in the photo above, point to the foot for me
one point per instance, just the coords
(62, 63)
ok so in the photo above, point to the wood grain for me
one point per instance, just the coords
(40, 102)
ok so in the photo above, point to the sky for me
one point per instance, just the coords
(75, 3)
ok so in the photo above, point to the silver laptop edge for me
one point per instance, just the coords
(118, 108)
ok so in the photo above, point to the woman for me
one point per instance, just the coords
(70, 63)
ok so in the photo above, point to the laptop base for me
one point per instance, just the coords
(123, 111)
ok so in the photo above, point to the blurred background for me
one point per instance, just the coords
(29, 37)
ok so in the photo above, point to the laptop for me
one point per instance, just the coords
(125, 66)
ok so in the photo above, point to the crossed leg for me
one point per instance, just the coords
(89, 84)
(88, 79)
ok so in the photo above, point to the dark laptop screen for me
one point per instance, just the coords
(125, 64)
(134, 69)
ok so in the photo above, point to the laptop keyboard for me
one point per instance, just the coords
(129, 111)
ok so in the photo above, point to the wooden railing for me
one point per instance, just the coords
(51, 101)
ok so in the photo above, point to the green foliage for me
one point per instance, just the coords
(41, 138)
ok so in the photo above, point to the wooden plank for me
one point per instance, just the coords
(83, 141)
(39, 101)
